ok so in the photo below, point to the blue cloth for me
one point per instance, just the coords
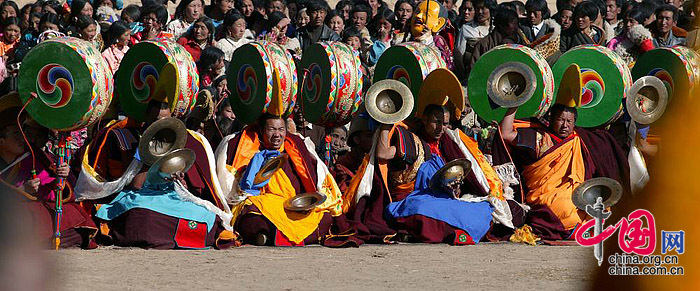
(426, 172)
(376, 51)
(472, 217)
(162, 199)
(253, 168)
(136, 27)
(643, 130)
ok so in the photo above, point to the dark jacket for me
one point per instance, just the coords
(307, 36)
(573, 37)
(676, 37)
(528, 31)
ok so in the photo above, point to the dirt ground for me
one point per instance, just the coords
(489, 266)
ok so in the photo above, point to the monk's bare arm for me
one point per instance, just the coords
(385, 151)
(506, 127)
(139, 180)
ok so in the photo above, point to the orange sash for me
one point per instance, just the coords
(495, 183)
(552, 179)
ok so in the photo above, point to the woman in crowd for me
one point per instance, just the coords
(335, 21)
(381, 28)
(8, 9)
(211, 65)
(276, 31)
(77, 8)
(403, 9)
(199, 37)
(343, 8)
(185, 14)
(86, 28)
(634, 40)
(117, 43)
(235, 34)
(154, 18)
(467, 37)
(217, 10)
(10, 37)
(583, 31)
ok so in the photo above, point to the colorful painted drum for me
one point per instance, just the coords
(478, 82)
(605, 78)
(409, 63)
(677, 67)
(157, 70)
(250, 79)
(332, 87)
(71, 80)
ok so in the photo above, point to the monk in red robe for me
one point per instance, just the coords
(554, 160)
(147, 228)
(17, 166)
(259, 214)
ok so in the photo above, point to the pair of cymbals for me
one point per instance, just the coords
(391, 101)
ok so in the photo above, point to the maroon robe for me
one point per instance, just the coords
(251, 222)
(77, 228)
(603, 157)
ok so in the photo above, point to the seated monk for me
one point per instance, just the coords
(400, 154)
(259, 215)
(443, 145)
(35, 178)
(554, 160)
(360, 143)
(162, 214)
(107, 163)
(434, 213)
(201, 179)
(165, 227)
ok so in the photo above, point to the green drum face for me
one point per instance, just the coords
(676, 67)
(332, 87)
(251, 76)
(605, 79)
(139, 78)
(73, 85)
(409, 63)
(250, 81)
(478, 82)
(318, 93)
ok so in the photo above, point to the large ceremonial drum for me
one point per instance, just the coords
(159, 70)
(605, 78)
(251, 77)
(677, 67)
(71, 80)
(332, 87)
(409, 63)
(479, 82)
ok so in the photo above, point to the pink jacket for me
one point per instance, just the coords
(113, 55)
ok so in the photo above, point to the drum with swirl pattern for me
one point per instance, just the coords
(505, 58)
(70, 80)
(332, 86)
(605, 79)
(250, 80)
(410, 63)
(677, 67)
(159, 70)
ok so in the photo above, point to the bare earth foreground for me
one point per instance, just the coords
(371, 267)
